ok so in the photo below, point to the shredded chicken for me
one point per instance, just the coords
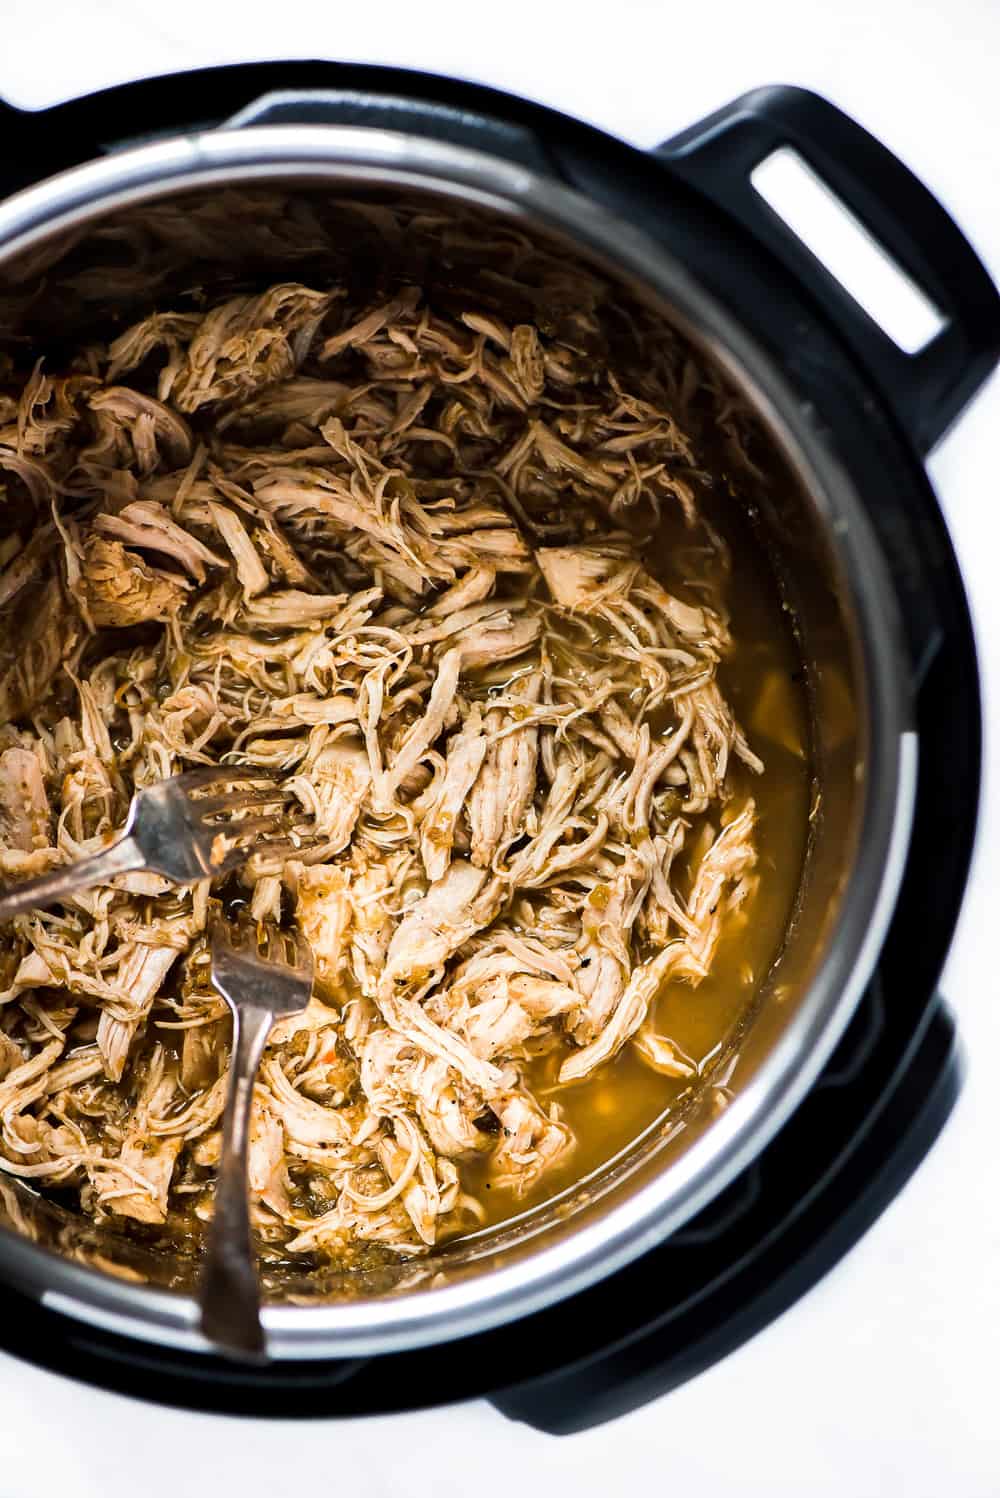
(402, 556)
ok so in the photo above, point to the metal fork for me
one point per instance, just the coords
(176, 828)
(263, 974)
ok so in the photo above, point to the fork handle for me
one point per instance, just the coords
(229, 1292)
(34, 894)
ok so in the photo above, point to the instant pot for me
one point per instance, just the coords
(714, 1221)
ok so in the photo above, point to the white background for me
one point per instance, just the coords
(883, 1380)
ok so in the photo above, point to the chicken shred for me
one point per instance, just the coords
(401, 556)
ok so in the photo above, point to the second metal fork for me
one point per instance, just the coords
(263, 974)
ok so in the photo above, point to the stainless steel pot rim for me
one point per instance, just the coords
(339, 154)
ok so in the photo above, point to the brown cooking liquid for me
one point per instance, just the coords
(762, 679)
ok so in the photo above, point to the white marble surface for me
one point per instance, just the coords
(883, 1380)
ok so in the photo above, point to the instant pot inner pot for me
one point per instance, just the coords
(180, 250)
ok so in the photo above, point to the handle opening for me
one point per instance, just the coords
(855, 257)
(925, 381)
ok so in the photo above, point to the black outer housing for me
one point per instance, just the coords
(888, 1090)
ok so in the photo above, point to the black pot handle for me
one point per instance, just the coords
(926, 389)
(34, 144)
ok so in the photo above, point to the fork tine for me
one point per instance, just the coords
(271, 946)
(237, 856)
(210, 806)
(304, 960)
(292, 846)
(278, 850)
(245, 827)
(208, 775)
(220, 933)
(284, 947)
(230, 936)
